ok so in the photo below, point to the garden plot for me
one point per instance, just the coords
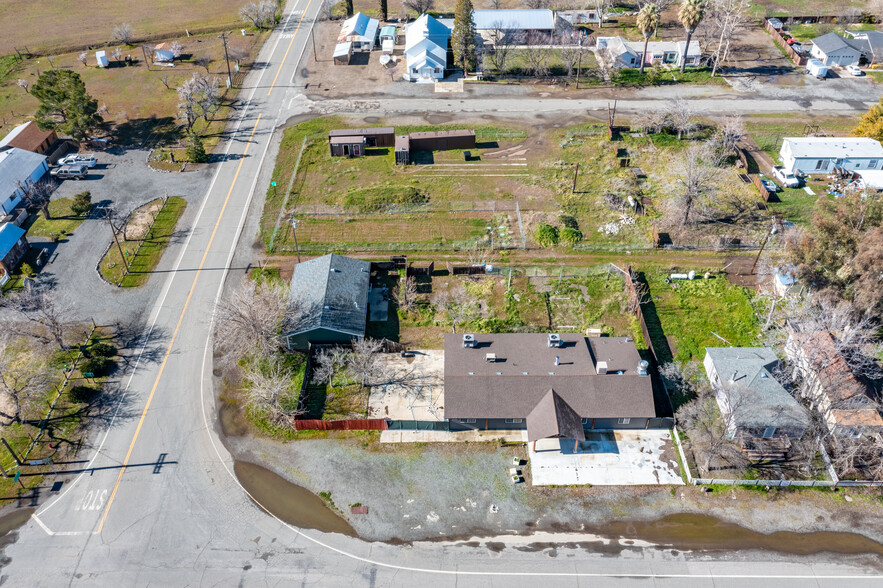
(417, 394)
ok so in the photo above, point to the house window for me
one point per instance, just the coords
(437, 70)
(468, 421)
(587, 421)
(822, 164)
(855, 433)
(623, 421)
(414, 70)
(514, 421)
(872, 164)
(857, 164)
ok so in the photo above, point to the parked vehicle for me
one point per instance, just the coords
(817, 68)
(75, 171)
(87, 159)
(770, 185)
(855, 70)
(787, 179)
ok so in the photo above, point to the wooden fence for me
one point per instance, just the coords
(346, 425)
(764, 193)
(798, 59)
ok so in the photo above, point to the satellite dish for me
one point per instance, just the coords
(384, 59)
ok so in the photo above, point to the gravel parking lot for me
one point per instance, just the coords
(122, 180)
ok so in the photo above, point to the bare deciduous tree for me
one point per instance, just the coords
(606, 60)
(177, 48)
(165, 82)
(680, 117)
(536, 4)
(83, 57)
(269, 388)
(695, 182)
(710, 430)
(46, 316)
(329, 362)
(537, 53)
(249, 320)
(479, 253)
(23, 379)
(24, 85)
(199, 96)
(725, 17)
(572, 47)
(495, 4)
(124, 33)
(116, 54)
(601, 7)
(38, 194)
(419, 6)
(364, 363)
(497, 56)
(405, 293)
(457, 305)
(261, 15)
(204, 62)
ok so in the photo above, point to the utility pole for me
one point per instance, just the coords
(575, 174)
(116, 239)
(223, 37)
(762, 245)
(294, 232)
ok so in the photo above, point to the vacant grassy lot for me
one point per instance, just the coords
(139, 107)
(63, 221)
(690, 315)
(143, 256)
(768, 131)
(761, 8)
(42, 25)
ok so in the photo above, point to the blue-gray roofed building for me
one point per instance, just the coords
(18, 168)
(513, 24)
(751, 400)
(13, 246)
(328, 301)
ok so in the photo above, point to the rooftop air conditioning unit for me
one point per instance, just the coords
(601, 368)
(468, 341)
(554, 340)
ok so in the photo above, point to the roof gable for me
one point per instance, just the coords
(553, 417)
(10, 235)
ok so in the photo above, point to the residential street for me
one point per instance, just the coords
(158, 504)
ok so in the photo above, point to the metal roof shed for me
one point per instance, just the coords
(514, 20)
(342, 53)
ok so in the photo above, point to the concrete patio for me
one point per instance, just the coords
(606, 458)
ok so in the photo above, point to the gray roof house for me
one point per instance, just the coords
(328, 301)
(551, 381)
(832, 49)
(749, 397)
(18, 168)
(869, 42)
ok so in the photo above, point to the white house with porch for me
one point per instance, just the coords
(820, 155)
(629, 53)
(426, 49)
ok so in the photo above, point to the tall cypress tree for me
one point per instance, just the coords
(383, 10)
(349, 8)
(463, 38)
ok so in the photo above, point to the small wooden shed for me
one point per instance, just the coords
(374, 136)
(403, 150)
(347, 146)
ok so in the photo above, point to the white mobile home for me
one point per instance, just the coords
(820, 155)
(18, 169)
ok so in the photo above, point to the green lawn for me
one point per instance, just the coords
(808, 32)
(63, 221)
(796, 205)
(142, 263)
(691, 312)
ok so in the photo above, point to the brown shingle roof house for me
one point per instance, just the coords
(29, 137)
(497, 381)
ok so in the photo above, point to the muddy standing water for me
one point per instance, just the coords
(293, 504)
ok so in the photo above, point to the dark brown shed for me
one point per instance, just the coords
(374, 137)
(442, 140)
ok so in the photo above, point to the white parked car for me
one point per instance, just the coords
(855, 70)
(786, 178)
(87, 159)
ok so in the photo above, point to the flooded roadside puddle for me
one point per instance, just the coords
(697, 532)
(291, 503)
(14, 520)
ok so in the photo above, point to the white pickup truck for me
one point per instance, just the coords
(787, 179)
(87, 159)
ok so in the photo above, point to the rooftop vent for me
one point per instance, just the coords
(327, 307)
(334, 270)
(490, 357)
(554, 340)
(601, 368)
(468, 341)
(642, 367)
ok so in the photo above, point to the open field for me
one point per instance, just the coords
(444, 202)
(761, 8)
(42, 25)
(138, 106)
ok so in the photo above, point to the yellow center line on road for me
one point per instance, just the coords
(290, 43)
(175, 332)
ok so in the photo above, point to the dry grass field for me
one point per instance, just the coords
(44, 25)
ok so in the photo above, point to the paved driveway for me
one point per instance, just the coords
(123, 180)
(606, 458)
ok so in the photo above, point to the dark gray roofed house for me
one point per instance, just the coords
(496, 381)
(832, 49)
(329, 296)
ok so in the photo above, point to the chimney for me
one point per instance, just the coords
(733, 378)
(554, 340)
(601, 368)
(469, 341)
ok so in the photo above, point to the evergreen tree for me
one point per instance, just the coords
(195, 149)
(349, 7)
(383, 11)
(463, 38)
(82, 203)
(871, 123)
(64, 103)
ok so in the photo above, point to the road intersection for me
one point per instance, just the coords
(158, 502)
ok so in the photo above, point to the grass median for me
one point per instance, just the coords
(142, 260)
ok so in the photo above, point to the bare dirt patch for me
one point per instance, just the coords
(140, 221)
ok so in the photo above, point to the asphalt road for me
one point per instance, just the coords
(158, 503)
